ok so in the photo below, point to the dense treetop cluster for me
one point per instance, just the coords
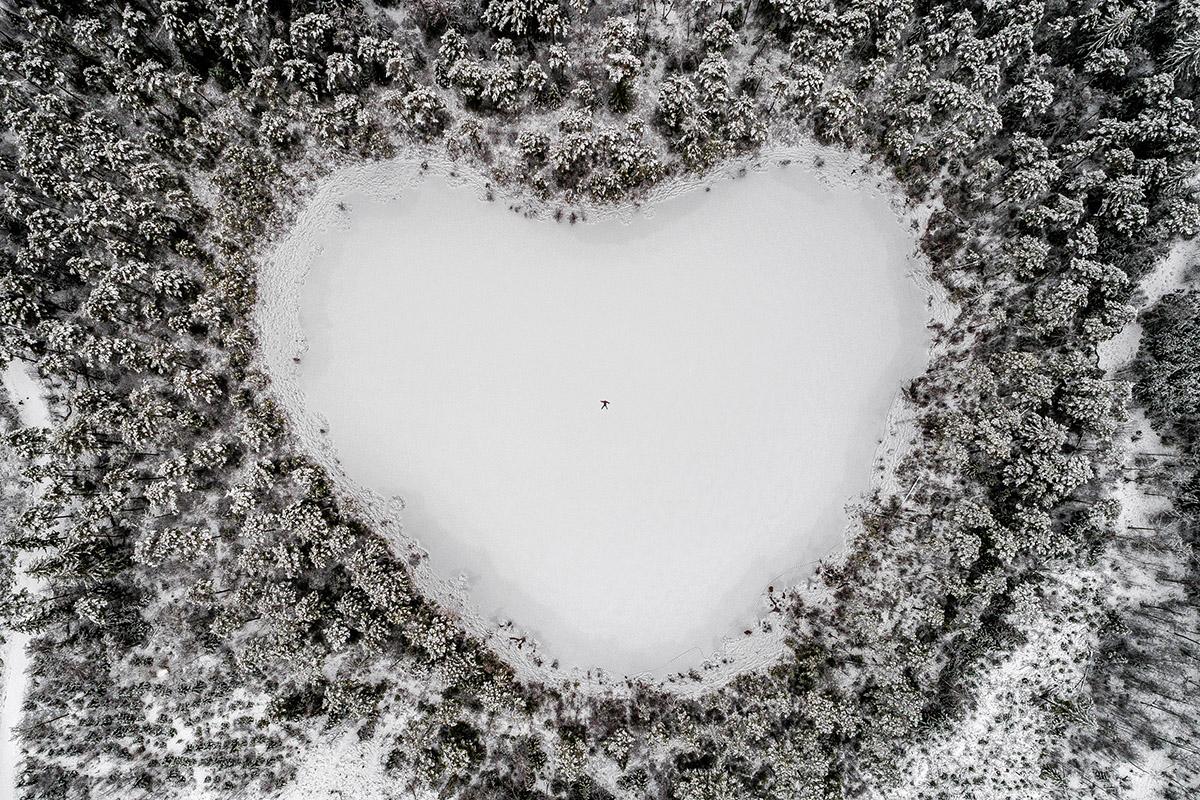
(210, 601)
(1169, 367)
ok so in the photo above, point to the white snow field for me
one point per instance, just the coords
(749, 341)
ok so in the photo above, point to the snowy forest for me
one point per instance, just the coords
(206, 615)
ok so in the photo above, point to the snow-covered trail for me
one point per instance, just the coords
(1140, 508)
(32, 410)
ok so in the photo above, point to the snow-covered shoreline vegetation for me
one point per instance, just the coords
(21, 405)
(211, 602)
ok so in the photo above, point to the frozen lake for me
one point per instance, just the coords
(749, 342)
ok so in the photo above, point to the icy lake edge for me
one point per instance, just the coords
(281, 341)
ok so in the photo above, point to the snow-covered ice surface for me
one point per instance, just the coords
(33, 411)
(750, 339)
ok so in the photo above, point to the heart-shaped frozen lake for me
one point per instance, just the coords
(749, 342)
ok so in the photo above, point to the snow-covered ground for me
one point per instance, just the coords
(750, 340)
(32, 410)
